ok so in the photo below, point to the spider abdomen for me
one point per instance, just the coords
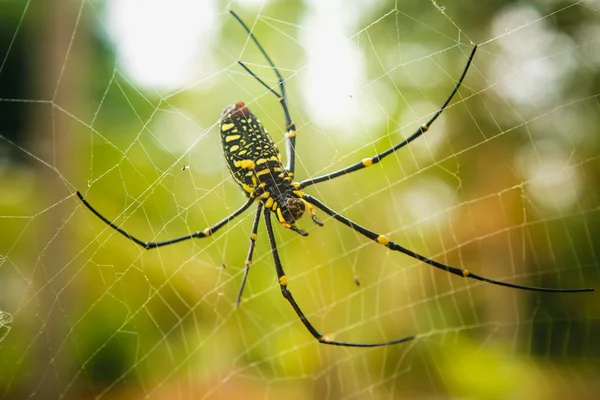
(250, 153)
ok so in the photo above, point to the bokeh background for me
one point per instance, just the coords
(121, 100)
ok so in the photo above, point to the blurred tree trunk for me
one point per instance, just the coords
(56, 75)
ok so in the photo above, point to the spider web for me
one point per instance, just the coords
(121, 101)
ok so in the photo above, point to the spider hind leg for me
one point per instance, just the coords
(287, 294)
(461, 272)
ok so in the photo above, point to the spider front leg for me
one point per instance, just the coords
(462, 272)
(151, 245)
(290, 127)
(289, 124)
(283, 284)
(367, 162)
(253, 238)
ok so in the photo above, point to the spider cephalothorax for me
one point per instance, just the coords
(256, 166)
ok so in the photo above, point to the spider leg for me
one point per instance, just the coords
(283, 283)
(253, 237)
(462, 272)
(377, 158)
(289, 124)
(150, 245)
(269, 88)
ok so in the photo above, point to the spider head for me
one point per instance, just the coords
(293, 210)
(290, 212)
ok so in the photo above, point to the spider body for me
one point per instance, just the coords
(256, 166)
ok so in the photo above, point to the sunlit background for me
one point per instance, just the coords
(120, 99)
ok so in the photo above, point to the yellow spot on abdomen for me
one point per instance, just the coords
(234, 148)
(245, 164)
(263, 172)
(226, 127)
(382, 240)
(283, 281)
(231, 138)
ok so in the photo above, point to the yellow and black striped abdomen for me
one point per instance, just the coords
(250, 153)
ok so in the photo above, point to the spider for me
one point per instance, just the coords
(256, 166)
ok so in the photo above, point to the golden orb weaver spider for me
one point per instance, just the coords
(257, 167)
